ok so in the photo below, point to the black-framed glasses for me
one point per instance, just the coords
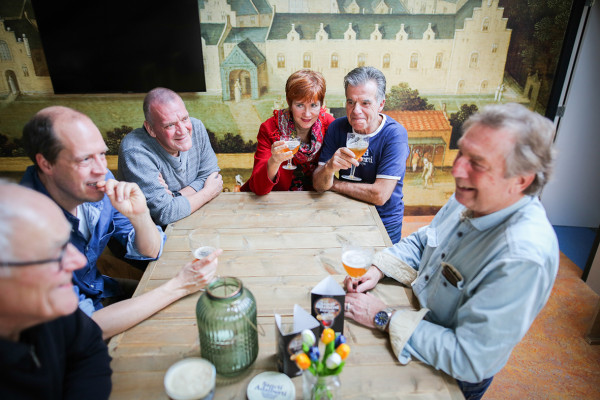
(59, 260)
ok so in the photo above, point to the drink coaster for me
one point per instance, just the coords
(271, 385)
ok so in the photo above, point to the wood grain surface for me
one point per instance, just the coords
(280, 245)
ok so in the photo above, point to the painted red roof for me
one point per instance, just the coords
(421, 120)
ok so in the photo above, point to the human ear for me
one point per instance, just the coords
(149, 129)
(44, 165)
(523, 182)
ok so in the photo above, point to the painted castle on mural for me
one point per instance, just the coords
(453, 51)
(446, 47)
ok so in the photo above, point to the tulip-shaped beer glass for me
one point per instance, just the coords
(358, 144)
(293, 144)
(356, 259)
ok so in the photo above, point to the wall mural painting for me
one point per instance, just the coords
(443, 60)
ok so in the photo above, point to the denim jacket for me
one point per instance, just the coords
(481, 282)
(104, 223)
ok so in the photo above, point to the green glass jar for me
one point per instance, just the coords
(226, 315)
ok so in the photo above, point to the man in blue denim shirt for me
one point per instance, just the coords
(70, 167)
(484, 268)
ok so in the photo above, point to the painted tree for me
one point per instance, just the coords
(538, 30)
(402, 97)
(456, 120)
(114, 137)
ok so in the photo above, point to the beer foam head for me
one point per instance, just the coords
(190, 379)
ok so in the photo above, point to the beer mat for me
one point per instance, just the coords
(272, 386)
(327, 304)
(289, 338)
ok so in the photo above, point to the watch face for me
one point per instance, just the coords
(381, 319)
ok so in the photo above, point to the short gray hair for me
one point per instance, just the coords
(157, 95)
(12, 215)
(361, 75)
(534, 135)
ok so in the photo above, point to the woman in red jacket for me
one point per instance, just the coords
(306, 119)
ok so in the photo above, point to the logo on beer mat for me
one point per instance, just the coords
(326, 309)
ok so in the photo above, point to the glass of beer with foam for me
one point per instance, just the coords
(356, 259)
(358, 144)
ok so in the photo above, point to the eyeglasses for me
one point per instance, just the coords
(59, 260)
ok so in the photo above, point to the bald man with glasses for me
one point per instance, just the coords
(48, 347)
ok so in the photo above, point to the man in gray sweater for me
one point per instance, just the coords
(170, 158)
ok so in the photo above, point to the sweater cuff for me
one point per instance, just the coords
(394, 267)
(402, 327)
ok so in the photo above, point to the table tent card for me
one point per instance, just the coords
(289, 339)
(327, 304)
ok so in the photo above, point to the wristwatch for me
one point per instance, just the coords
(382, 318)
(176, 194)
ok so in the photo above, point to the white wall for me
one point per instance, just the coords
(572, 197)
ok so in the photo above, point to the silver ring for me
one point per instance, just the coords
(347, 307)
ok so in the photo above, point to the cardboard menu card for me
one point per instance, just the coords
(327, 304)
(289, 339)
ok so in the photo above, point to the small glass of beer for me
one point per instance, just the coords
(293, 144)
(202, 243)
(358, 144)
(356, 259)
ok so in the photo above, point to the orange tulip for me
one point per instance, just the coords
(327, 336)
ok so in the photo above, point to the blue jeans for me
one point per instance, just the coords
(474, 391)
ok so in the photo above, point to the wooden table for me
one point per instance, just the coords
(280, 246)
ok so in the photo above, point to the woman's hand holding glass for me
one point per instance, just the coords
(280, 152)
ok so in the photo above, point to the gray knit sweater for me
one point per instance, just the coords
(141, 158)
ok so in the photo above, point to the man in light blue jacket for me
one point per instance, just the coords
(484, 268)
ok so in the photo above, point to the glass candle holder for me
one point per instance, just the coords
(226, 315)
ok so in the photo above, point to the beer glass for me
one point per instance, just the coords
(358, 144)
(356, 259)
(293, 145)
(202, 243)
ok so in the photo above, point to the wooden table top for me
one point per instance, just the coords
(280, 245)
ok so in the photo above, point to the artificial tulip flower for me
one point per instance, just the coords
(308, 337)
(343, 350)
(314, 354)
(327, 336)
(333, 361)
(302, 361)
